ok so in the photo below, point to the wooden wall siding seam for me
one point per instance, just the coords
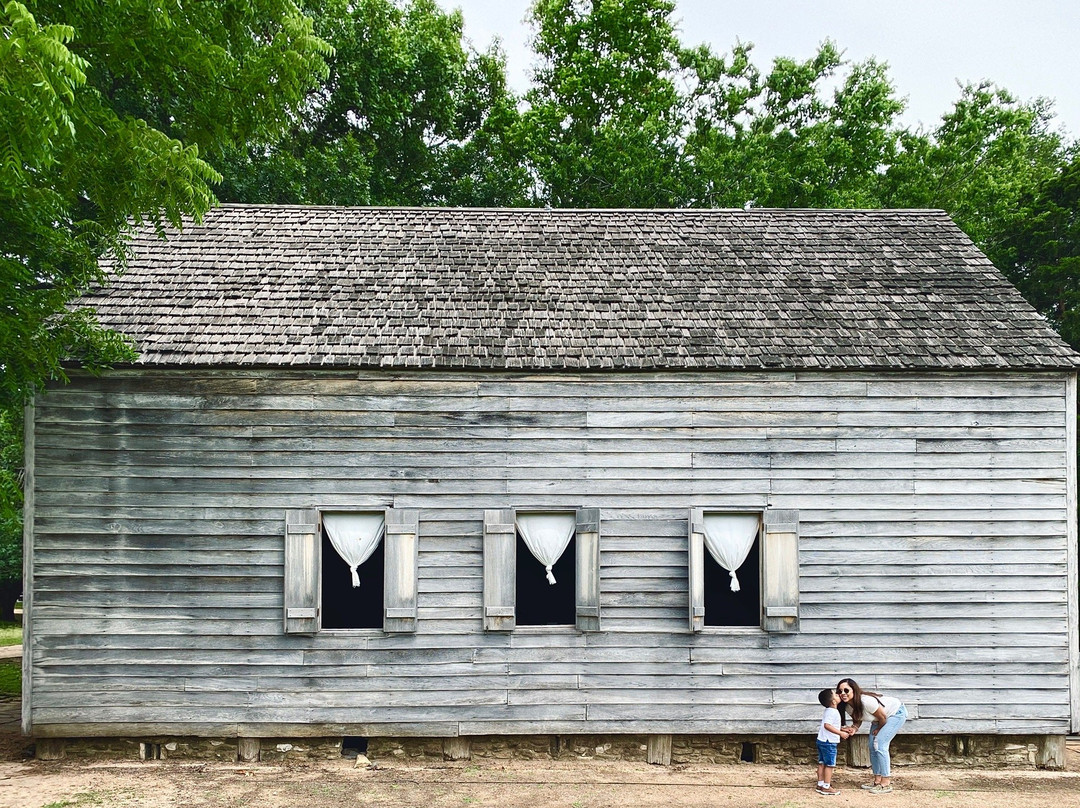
(872, 483)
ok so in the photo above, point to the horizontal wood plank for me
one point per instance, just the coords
(932, 549)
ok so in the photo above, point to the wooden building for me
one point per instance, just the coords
(862, 388)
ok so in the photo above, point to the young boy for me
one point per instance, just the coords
(829, 734)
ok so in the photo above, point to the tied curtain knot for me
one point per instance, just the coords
(729, 537)
(354, 536)
(546, 535)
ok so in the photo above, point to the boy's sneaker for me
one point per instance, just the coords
(828, 791)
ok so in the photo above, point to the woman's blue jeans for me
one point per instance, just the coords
(879, 756)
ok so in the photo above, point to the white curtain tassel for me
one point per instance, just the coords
(734, 581)
(354, 536)
(729, 538)
(546, 535)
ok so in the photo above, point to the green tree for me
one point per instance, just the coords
(107, 111)
(781, 141)
(94, 100)
(989, 152)
(623, 114)
(10, 510)
(407, 116)
(1039, 249)
(606, 116)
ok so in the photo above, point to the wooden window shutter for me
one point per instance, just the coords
(400, 570)
(780, 571)
(587, 540)
(696, 567)
(303, 559)
(500, 565)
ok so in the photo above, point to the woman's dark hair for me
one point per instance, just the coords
(855, 706)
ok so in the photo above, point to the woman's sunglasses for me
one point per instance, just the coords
(844, 690)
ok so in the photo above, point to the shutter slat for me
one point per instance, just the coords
(500, 563)
(780, 571)
(303, 560)
(696, 567)
(587, 590)
(400, 570)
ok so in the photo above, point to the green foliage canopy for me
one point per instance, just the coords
(109, 112)
(605, 117)
(11, 461)
(408, 115)
(94, 100)
(1039, 248)
(989, 151)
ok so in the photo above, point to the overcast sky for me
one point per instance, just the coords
(1030, 47)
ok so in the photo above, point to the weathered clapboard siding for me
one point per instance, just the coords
(934, 552)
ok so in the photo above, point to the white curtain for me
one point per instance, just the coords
(546, 535)
(355, 537)
(729, 537)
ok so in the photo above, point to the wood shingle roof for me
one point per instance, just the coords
(574, 289)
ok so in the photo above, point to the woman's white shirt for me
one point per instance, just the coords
(888, 703)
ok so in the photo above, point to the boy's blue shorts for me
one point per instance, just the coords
(826, 753)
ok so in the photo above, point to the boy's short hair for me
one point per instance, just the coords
(825, 697)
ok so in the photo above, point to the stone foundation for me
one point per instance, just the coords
(156, 748)
(511, 747)
(985, 751)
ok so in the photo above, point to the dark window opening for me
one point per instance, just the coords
(749, 752)
(538, 602)
(726, 608)
(342, 605)
(352, 746)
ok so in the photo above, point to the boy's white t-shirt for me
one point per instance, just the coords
(888, 703)
(831, 716)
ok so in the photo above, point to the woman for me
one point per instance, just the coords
(887, 715)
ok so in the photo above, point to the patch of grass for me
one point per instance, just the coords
(944, 794)
(83, 798)
(10, 633)
(11, 677)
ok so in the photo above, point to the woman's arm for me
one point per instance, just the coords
(880, 718)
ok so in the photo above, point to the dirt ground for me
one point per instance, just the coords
(27, 783)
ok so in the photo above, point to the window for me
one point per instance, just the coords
(732, 597)
(542, 568)
(744, 569)
(545, 576)
(350, 570)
